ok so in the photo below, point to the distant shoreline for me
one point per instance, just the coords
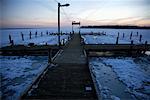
(89, 27)
(22, 28)
(116, 27)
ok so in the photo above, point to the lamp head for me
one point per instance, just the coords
(67, 4)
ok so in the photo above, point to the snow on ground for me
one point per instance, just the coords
(109, 39)
(18, 72)
(133, 72)
(51, 39)
(39, 40)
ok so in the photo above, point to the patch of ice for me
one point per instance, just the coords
(134, 72)
(114, 97)
(128, 72)
(18, 72)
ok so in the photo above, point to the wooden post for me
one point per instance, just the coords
(46, 43)
(131, 36)
(123, 35)
(131, 47)
(118, 34)
(47, 32)
(22, 36)
(41, 34)
(63, 41)
(117, 40)
(49, 55)
(9, 38)
(137, 34)
(145, 48)
(30, 34)
(12, 42)
(36, 34)
(68, 38)
(140, 38)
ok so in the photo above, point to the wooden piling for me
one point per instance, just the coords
(12, 42)
(123, 35)
(145, 48)
(137, 33)
(41, 34)
(36, 34)
(63, 41)
(131, 47)
(9, 38)
(68, 38)
(49, 55)
(47, 32)
(118, 34)
(30, 34)
(131, 36)
(140, 38)
(22, 36)
(117, 40)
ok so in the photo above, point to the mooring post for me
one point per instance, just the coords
(12, 42)
(117, 40)
(73, 32)
(30, 34)
(123, 35)
(36, 34)
(131, 36)
(47, 32)
(46, 43)
(137, 33)
(41, 34)
(118, 34)
(9, 38)
(140, 38)
(22, 36)
(131, 47)
(63, 41)
(68, 37)
(145, 48)
(49, 55)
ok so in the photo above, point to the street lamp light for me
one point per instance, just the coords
(59, 5)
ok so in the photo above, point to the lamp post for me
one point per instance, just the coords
(59, 5)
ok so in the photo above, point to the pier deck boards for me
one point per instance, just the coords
(73, 53)
(71, 79)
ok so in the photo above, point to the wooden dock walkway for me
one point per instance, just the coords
(70, 79)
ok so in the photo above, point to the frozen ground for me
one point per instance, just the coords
(134, 73)
(18, 72)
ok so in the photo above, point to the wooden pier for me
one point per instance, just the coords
(70, 79)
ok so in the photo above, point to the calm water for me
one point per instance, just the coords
(16, 33)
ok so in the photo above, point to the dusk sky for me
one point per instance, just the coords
(43, 13)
